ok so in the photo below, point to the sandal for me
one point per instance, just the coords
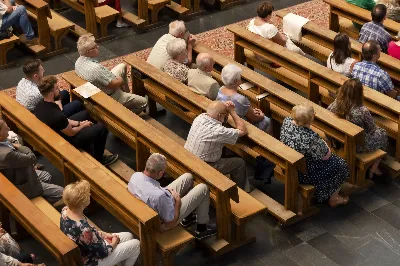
(344, 201)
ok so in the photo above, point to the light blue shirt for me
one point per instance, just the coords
(150, 192)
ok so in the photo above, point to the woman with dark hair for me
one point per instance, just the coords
(260, 26)
(349, 105)
(340, 59)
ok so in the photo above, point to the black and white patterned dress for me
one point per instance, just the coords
(375, 137)
(326, 175)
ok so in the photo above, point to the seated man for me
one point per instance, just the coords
(208, 135)
(374, 30)
(16, 16)
(78, 129)
(370, 74)
(176, 202)
(114, 83)
(16, 163)
(200, 80)
(159, 56)
(29, 96)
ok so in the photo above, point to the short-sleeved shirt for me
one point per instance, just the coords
(266, 30)
(343, 68)
(375, 31)
(371, 75)
(91, 70)
(207, 137)
(91, 245)
(50, 114)
(394, 50)
(241, 102)
(158, 55)
(28, 94)
(150, 192)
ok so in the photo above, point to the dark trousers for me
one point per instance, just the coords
(91, 139)
(24, 257)
(70, 108)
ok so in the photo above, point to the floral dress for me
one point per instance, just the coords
(375, 137)
(92, 246)
(242, 105)
(326, 175)
(177, 70)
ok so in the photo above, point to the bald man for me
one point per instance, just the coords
(200, 80)
(208, 135)
(370, 74)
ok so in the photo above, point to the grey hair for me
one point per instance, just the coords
(176, 47)
(85, 43)
(156, 163)
(231, 74)
(177, 27)
(203, 61)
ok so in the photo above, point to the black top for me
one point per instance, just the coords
(50, 114)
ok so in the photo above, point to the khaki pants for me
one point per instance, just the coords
(125, 253)
(192, 198)
(133, 102)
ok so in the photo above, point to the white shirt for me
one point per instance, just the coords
(207, 137)
(28, 94)
(3, 11)
(158, 55)
(343, 68)
(266, 30)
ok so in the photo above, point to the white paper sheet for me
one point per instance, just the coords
(87, 90)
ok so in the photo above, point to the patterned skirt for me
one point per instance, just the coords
(327, 176)
(374, 141)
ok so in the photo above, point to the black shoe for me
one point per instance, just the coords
(188, 220)
(109, 159)
(210, 231)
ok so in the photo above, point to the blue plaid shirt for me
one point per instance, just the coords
(375, 31)
(371, 75)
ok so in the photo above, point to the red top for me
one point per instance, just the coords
(394, 50)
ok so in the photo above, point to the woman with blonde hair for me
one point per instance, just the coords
(326, 171)
(97, 247)
(349, 105)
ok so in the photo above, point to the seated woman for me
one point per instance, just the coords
(97, 247)
(231, 77)
(326, 171)
(175, 66)
(260, 26)
(340, 59)
(349, 105)
(394, 48)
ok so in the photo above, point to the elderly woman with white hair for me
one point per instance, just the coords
(177, 30)
(175, 66)
(232, 78)
(325, 170)
(96, 247)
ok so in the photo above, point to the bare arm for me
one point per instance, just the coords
(254, 115)
(280, 39)
(116, 83)
(177, 210)
(71, 130)
(239, 124)
(190, 49)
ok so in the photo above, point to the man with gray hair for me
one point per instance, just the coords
(159, 56)
(176, 202)
(200, 80)
(114, 83)
(208, 135)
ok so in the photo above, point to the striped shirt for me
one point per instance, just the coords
(28, 94)
(91, 70)
(207, 137)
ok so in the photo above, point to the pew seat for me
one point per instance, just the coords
(155, 6)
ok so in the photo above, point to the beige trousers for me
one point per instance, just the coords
(133, 102)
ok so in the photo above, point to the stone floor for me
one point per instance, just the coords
(364, 232)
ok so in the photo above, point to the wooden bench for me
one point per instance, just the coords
(106, 189)
(36, 223)
(318, 42)
(314, 80)
(49, 24)
(5, 46)
(159, 86)
(350, 13)
(136, 133)
(281, 101)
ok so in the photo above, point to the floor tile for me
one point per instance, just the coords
(305, 255)
(368, 200)
(389, 213)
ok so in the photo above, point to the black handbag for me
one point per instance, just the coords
(5, 34)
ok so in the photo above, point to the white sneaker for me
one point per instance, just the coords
(122, 24)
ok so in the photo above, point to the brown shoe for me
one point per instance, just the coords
(34, 41)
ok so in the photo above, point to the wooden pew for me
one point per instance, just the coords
(350, 13)
(49, 24)
(106, 189)
(159, 86)
(282, 100)
(136, 133)
(314, 80)
(318, 42)
(37, 224)
(5, 46)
